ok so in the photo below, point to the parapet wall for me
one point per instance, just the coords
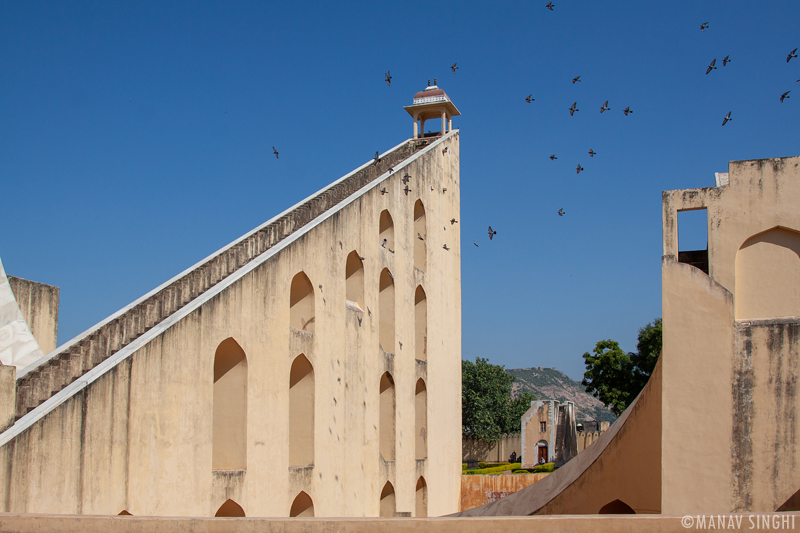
(38, 303)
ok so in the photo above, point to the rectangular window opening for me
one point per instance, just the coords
(693, 238)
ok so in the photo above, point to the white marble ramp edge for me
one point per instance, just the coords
(77, 339)
(82, 382)
(18, 346)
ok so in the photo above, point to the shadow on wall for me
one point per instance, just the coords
(768, 275)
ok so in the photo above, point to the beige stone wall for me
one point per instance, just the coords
(564, 524)
(730, 345)
(38, 303)
(473, 450)
(140, 437)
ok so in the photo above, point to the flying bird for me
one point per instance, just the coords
(605, 107)
(377, 158)
(529, 98)
(576, 79)
(391, 169)
(711, 66)
(389, 79)
(445, 247)
(274, 151)
(406, 178)
(444, 150)
(492, 233)
(476, 244)
(578, 170)
(591, 152)
(792, 54)
(727, 118)
(420, 237)
(407, 190)
(573, 109)
(561, 212)
(703, 26)
(453, 221)
(550, 7)
(726, 60)
(454, 68)
(553, 157)
(383, 191)
(785, 95)
(627, 110)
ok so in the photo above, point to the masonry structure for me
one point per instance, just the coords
(309, 368)
(714, 430)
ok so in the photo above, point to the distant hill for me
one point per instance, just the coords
(551, 384)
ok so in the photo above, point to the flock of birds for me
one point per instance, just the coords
(572, 110)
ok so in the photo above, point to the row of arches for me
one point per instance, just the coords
(386, 234)
(388, 505)
(386, 427)
(302, 305)
(303, 506)
(229, 442)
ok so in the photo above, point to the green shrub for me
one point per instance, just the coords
(463, 466)
(482, 465)
(521, 471)
(493, 470)
(547, 467)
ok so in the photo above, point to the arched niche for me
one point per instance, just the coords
(420, 236)
(124, 512)
(230, 509)
(386, 424)
(354, 282)
(387, 500)
(301, 412)
(616, 507)
(229, 444)
(301, 303)
(386, 311)
(386, 230)
(302, 506)
(421, 419)
(420, 324)
(421, 507)
(767, 277)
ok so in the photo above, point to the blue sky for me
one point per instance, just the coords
(135, 139)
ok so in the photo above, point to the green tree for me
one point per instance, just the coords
(487, 408)
(615, 377)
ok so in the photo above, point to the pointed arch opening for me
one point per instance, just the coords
(386, 424)
(421, 507)
(354, 282)
(420, 236)
(388, 506)
(420, 324)
(302, 506)
(616, 507)
(386, 230)
(421, 419)
(229, 442)
(767, 276)
(230, 509)
(301, 303)
(386, 310)
(301, 412)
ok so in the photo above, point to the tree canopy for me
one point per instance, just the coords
(487, 408)
(615, 377)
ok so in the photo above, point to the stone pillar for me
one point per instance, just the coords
(449, 123)
(415, 127)
(8, 395)
(444, 122)
(422, 127)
